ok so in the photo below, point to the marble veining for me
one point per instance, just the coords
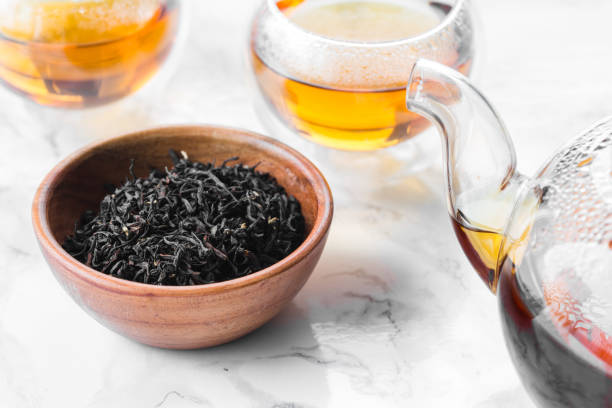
(393, 315)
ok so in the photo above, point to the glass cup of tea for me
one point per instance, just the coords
(335, 71)
(83, 53)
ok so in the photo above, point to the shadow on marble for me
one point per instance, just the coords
(289, 329)
(286, 342)
(507, 399)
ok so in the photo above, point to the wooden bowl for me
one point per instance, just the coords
(168, 316)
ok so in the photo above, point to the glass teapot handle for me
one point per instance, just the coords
(479, 161)
(478, 150)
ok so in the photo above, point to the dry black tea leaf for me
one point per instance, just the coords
(194, 224)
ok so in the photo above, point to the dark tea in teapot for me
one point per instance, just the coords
(563, 357)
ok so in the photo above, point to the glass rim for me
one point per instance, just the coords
(60, 45)
(445, 22)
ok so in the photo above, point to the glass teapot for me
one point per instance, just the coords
(543, 244)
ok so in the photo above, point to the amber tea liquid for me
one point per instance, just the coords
(481, 245)
(68, 54)
(480, 227)
(361, 117)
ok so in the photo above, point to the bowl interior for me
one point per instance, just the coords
(79, 184)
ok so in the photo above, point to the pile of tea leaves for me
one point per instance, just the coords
(194, 224)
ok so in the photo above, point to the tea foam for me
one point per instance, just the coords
(339, 64)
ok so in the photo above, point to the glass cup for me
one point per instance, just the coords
(83, 53)
(349, 93)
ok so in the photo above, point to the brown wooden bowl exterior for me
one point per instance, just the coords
(178, 317)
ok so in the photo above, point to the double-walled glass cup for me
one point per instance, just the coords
(83, 53)
(349, 94)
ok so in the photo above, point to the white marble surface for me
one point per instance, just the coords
(392, 316)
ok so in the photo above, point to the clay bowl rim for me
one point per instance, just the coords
(55, 251)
